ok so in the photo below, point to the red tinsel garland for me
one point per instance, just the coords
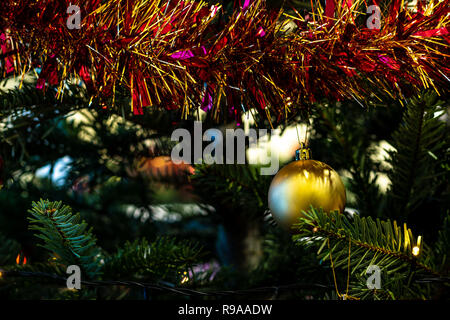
(178, 54)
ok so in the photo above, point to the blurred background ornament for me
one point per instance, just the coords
(161, 168)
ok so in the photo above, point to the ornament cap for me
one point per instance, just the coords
(303, 153)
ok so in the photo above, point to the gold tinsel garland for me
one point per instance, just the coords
(183, 54)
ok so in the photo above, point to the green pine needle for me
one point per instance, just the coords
(65, 236)
(373, 242)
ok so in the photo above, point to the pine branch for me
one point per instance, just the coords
(8, 250)
(234, 186)
(68, 239)
(165, 288)
(387, 242)
(418, 142)
(158, 259)
(380, 243)
(442, 245)
(28, 115)
(27, 102)
(351, 145)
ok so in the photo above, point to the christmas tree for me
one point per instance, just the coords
(101, 100)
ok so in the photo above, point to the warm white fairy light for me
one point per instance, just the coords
(185, 278)
(416, 248)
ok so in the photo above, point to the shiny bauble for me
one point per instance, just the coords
(299, 185)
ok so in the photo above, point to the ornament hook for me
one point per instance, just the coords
(303, 153)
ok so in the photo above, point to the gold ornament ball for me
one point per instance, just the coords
(299, 185)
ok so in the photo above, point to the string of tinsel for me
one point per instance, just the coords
(184, 54)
